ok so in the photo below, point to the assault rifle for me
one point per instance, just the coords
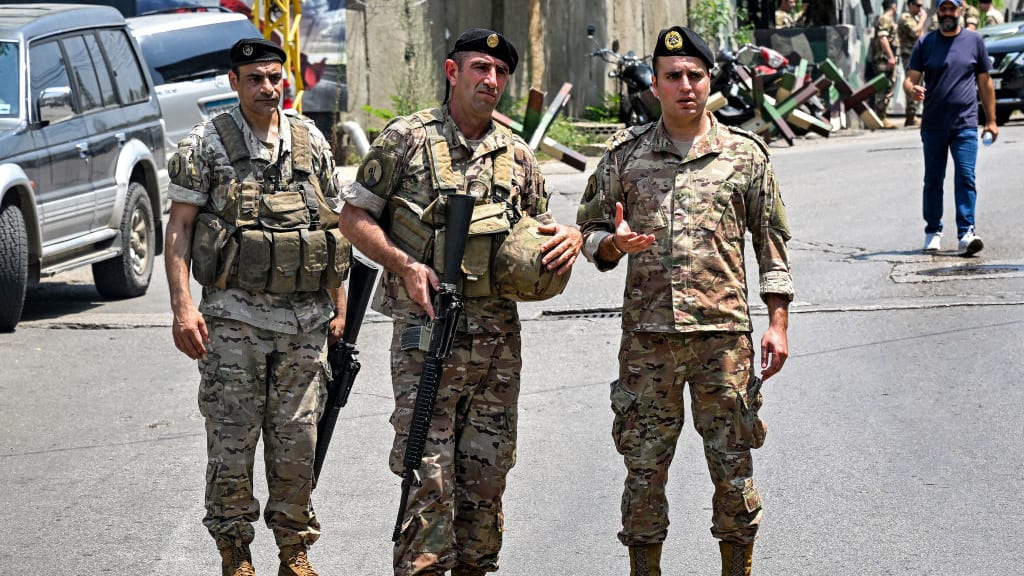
(436, 339)
(342, 357)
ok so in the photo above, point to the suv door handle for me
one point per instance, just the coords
(83, 150)
(121, 139)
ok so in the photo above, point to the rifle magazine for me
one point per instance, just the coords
(417, 337)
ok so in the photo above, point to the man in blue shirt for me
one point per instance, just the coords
(956, 66)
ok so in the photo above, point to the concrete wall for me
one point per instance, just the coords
(397, 47)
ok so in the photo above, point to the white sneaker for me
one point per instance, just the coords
(970, 243)
(932, 242)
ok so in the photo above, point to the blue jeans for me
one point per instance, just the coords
(963, 146)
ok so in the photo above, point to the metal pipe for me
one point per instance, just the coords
(356, 136)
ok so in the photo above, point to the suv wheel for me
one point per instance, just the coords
(128, 275)
(13, 266)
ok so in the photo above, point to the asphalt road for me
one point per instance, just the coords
(894, 429)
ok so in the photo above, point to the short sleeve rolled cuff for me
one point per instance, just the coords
(359, 196)
(185, 196)
(777, 282)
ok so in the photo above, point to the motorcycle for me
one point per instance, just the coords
(759, 60)
(638, 105)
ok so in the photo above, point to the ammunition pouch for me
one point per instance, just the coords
(210, 237)
(265, 260)
(408, 230)
(487, 230)
(518, 272)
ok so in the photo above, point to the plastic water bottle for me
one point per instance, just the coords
(987, 138)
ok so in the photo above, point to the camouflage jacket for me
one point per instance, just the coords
(907, 33)
(200, 174)
(397, 170)
(885, 27)
(699, 209)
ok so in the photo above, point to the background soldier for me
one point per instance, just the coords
(784, 14)
(391, 213)
(884, 50)
(911, 26)
(247, 205)
(989, 15)
(678, 195)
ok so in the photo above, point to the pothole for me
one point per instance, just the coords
(933, 272)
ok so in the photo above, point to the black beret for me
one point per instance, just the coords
(249, 50)
(489, 42)
(681, 41)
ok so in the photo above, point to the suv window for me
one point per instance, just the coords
(102, 70)
(131, 87)
(9, 90)
(190, 53)
(48, 71)
(89, 96)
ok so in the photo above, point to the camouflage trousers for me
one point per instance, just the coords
(456, 517)
(258, 381)
(649, 414)
(882, 99)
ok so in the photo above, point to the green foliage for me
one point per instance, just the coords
(403, 106)
(608, 113)
(714, 20)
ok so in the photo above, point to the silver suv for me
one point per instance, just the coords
(187, 56)
(82, 161)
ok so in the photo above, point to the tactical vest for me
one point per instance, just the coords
(270, 236)
(502, 254)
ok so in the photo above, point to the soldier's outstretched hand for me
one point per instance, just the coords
(625, 239)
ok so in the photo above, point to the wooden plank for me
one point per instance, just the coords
(534, 110)
(554, 108)
(855, 100)
(716, 101)
(548, 145)
(771, 112)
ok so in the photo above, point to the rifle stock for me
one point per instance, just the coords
(342, 357)
(440, 333)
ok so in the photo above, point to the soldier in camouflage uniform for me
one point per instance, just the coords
(884, 49)
(784, 14)
(678, 196)
(260, 345)
(454, 521)
(988, 13)
(910, 27)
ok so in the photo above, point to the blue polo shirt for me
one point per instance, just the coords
(950, 66)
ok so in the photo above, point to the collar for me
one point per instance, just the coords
(713, 142)
(256, 148)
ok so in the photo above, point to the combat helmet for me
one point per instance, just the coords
(518, 272)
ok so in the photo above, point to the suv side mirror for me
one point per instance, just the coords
(55, 105)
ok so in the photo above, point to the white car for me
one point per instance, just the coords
(187, 57)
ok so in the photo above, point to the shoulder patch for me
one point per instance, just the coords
(748, 134)
(428, 116)
(632, 133)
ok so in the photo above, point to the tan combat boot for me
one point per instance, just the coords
(645, 560)
(736, 558)
(236, 561)
(294, 562)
